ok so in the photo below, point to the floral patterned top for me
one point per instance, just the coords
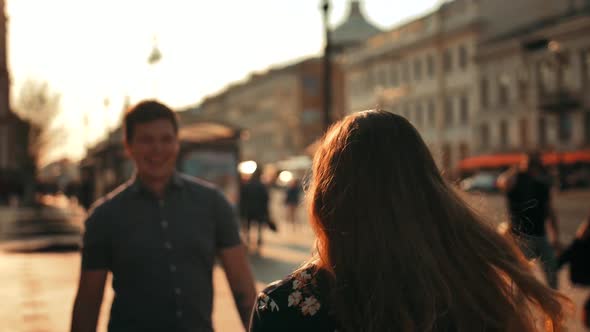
(296, 303)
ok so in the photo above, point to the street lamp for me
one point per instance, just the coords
(327, 72)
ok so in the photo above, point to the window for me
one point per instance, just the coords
(503, 133)
(565, 127)
(418, 114)
(405, 72)
(446, 157)
(503, 86)
(484, 93)
(382, 77)
(463, 60)
(448, 61)
(542, 131)
(393, 76)
(586, 68)
(449, 116)
(311, 85)
(484, 134)
(523, 90)
(310, 116)
(464, 110)
(431, 113)
(430, 66)
(3, 146)
(417, 69)
(368, 80)
(524, 132)
(407, 112)
(463, 150)
(352, 88)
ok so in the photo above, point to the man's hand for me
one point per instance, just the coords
(506, 180)
(88, 300)
(239, 275)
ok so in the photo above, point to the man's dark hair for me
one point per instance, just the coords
(147, 111)
(535, 160)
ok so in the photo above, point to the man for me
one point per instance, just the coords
(158, 235)
(529, 202)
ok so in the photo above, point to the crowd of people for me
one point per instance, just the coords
(397, 248)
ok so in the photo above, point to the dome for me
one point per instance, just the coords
(355, 29)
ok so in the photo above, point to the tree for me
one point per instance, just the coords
(38, 105)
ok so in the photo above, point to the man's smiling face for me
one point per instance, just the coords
(154, 148)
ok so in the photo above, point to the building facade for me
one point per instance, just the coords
(534, 87)
(281, 110)
(430, 70)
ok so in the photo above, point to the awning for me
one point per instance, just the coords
(511, 159)
(201, 132)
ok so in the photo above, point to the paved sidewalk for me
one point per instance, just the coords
(37, 290)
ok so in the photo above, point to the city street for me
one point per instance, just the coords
(37, 289)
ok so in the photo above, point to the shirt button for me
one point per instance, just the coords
(167, 245)
(178, 291)
(178, 313)
(172, 268)
(164, 224)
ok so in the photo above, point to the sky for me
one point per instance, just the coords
(94, 53)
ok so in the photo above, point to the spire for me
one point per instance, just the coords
(155, 54)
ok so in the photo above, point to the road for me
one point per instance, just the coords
(37, 289)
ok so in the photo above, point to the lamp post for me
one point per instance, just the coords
(327, 66)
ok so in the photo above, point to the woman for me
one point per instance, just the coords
(254, 206)
(398, 249)
(292, 201)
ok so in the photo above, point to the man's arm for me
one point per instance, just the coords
(507, 180)
(88, 300)
(240, 278)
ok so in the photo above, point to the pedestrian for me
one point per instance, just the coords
(398, 249)
(292, 197)
(577, 254)
(86, 189)
(158, 235)
(530, 204)
(254, 205)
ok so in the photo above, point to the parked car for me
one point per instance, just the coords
(480, 182)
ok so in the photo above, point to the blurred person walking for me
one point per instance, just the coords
(398, 249)
(530, 204)
(254, 206)
(159, 235)
(292, 198)
(577, 255)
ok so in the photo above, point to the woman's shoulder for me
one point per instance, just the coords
(296, 300)
(300, 290)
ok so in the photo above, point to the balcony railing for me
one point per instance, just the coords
(559, 101)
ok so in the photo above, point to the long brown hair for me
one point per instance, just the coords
(404, 251)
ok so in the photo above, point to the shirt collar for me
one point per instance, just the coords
(136, 186)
